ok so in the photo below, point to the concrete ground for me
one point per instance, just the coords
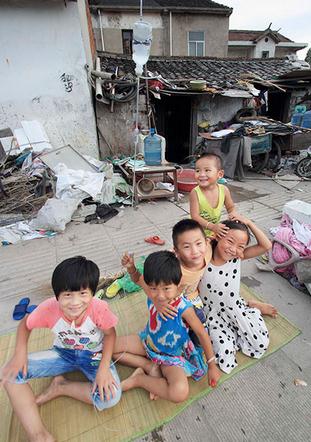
(259, 404)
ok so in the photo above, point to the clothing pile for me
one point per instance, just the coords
(297, 236)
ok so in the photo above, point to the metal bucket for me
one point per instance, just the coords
(145, 186)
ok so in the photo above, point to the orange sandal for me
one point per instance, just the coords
(155, 240)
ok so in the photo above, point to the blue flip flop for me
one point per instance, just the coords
(31, 308)
(20, 309)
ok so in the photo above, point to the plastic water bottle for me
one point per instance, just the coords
(152, 149)
(306, 120)
(142, 38)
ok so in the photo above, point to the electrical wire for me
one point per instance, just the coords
(124, 92)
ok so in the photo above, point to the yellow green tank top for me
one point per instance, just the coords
(211, 214)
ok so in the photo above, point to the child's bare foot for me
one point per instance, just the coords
(155, 371)
(265, 309)
(53, 390)
(43, 437)
(129, 383)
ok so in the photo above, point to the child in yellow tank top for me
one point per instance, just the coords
(208, 198)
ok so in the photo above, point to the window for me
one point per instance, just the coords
(127, 38)
(265, 54)
(196, 44)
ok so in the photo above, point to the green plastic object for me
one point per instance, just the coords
(222, 181)
(126, 283)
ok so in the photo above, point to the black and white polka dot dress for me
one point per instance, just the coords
(231, 323)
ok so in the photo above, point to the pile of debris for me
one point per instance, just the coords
(25, 182)
(22, 194)
(42, 189)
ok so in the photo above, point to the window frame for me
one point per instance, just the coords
(265, 54)
(196, 44)
(130, 31)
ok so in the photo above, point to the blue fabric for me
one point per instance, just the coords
(58, 361)
(168, 342)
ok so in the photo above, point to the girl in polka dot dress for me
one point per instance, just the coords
(233, 323)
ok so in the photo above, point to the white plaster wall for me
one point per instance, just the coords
(126, 20)
(114, 22)
(117, 127)
(265, 46)
(41, 41)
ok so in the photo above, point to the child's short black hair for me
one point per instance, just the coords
(218, 160)
(74, 274)
(162, 267)
(184, 226)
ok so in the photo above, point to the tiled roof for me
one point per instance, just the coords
(124, 3)
(244, 35)
(218, 72)
(160, 4)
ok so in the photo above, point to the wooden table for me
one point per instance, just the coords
(156, 193)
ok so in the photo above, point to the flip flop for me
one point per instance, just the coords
(113, 289)
(20, 309)
(100, 294)
(31, 308)
(155, 240)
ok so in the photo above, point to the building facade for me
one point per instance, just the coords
(179, 28)
(261, 44)
(45, 46)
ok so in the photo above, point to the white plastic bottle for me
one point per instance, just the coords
(142, 38)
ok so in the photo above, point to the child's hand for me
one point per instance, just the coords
(220, 230)
(166, 311)
(238, 217)
(233, 214)
(105, 383)
(13, 367)
(127, 261)
(213, 374)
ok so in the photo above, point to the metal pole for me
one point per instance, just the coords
(136, 142)
(147, 98)
(136, 124)
(171, 34)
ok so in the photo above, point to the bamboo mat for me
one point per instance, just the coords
(135, 415)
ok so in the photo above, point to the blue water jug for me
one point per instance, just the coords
(297, 116)
(297, 119)
(306, 121)
(152, 149)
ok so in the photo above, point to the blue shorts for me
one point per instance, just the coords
(58, 361)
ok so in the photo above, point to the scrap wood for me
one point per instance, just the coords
(251, 75)
(108, 279)
(20, 195)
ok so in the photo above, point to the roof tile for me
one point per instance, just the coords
(247, 35)
(160, 4)
(218, 72)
